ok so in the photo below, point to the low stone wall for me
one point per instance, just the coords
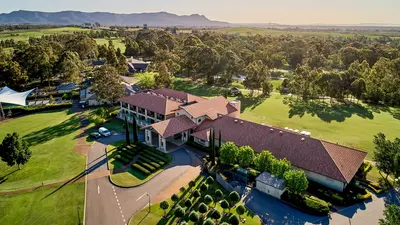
(223, 182)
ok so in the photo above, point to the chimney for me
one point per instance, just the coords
(303, 139)
(241, 122)
(271, 130)
(281, 133)
(235, 121)
(236, 104)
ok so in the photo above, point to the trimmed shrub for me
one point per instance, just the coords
(203, 187)
(154, 164)
(174, 198)
(141, 169)
(234, 220)
(154, 159)
(188, 203)
(196, 194)
(193, 216)
(208, 199)
(208, 222)
(311, 205)
(123, 159)
(162, 158)
(146, 165)
(25, 110)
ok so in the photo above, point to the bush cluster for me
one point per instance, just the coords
(309, 204)
(24, 110)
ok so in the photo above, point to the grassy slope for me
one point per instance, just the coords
(61, 207)
(52, 136)
(264, 31)
(116, 41)
(23, 35)
(155, 216)
(350, 126)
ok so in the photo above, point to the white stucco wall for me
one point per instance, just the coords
(197, 140)
(269, 190)
(329, 182)
(195, 120)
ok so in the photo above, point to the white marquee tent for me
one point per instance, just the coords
(8, 95)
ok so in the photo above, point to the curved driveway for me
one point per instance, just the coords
(107, 204)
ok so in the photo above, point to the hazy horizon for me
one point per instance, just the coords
(292, 12)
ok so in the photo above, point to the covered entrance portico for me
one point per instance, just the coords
(168, 133)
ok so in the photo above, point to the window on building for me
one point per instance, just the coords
(199, 120)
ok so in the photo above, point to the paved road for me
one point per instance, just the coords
(107, 204)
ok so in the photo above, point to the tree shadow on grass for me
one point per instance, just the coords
(327, 112)
(48, 133)
(5, 177)
(251, 102)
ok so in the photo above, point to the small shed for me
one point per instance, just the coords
(270, 185)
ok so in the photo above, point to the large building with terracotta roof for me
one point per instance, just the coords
(169, 116)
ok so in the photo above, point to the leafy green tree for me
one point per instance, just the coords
(234, 220)
(387, 155)
(127, 137)
(164, 206)
(146, 80)
(391, 215)
(208, 222)
(12, 74)
(280, 167)
(240, 210)
(107, 84)
(175, 198)
(196, 194)
(14, 150)
(69, 66)
(179, 212)
(102, 49)
(132, 48)
(216, 215)
(203, 208)
(111, 55)
(85, 46)
(163, 78)
(256, 73)
(224, 204)
(266, 87)
(228, 153)
(208, 199)
(122, 65)
(194, 217)
(296, 181)
(245, 156)
(188, 203)
(234, 198)
(263, 161)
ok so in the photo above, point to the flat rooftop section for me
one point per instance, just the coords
(271, 180)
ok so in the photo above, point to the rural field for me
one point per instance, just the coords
(24, 35)
(52, 136)
(116, 41)
(54, 205)
(276, 32)
(349, 125)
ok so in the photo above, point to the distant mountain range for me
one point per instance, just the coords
(157, 19)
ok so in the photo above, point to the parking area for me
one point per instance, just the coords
(273, 211)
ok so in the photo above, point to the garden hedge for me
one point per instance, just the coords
(141, 169)
(122, 159)
(154, 159)
(163, 158)
(25, 110)
(154, 164)
(311, 205)
(146, 165)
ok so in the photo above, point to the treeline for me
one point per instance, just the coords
(5, 27)
(63, 56)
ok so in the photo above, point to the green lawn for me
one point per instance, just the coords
(143, 217)
(52, 137)
(116, 41)
(44, 206)
(23, 35)
(353, 126)
(129, 177)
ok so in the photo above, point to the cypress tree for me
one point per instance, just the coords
(135, 131)
(128, 141)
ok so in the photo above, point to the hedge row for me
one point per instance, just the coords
(311, 205)
(375, 187)
(154, 164)
(147, 166)
(123, 159)
(154, 159)
(154, 154)
(21, 110)
(141, 169)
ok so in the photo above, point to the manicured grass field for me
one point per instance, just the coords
(155, 216)
(276, 32)
(23, 35)
(350, 125)
(45, 206)
(116, 41)
(52, 136)
(128, 177)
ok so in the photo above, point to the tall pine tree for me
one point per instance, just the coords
(128, 140)
(135, 131)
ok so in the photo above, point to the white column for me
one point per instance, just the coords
(148, 136)
(164, 148)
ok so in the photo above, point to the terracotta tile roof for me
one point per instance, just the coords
(331, 160)
(211, 108)
(170, 127)
(179, 95)
(152, 102)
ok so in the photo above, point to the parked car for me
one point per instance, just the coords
(103, 131)
(95, 135)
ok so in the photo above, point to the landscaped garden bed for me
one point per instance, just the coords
(202, 200)
(134, 164)
(308, 204)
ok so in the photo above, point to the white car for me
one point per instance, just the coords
(103, 131)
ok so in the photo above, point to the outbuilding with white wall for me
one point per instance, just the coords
(270, 185)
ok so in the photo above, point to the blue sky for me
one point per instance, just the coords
(250, 11)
